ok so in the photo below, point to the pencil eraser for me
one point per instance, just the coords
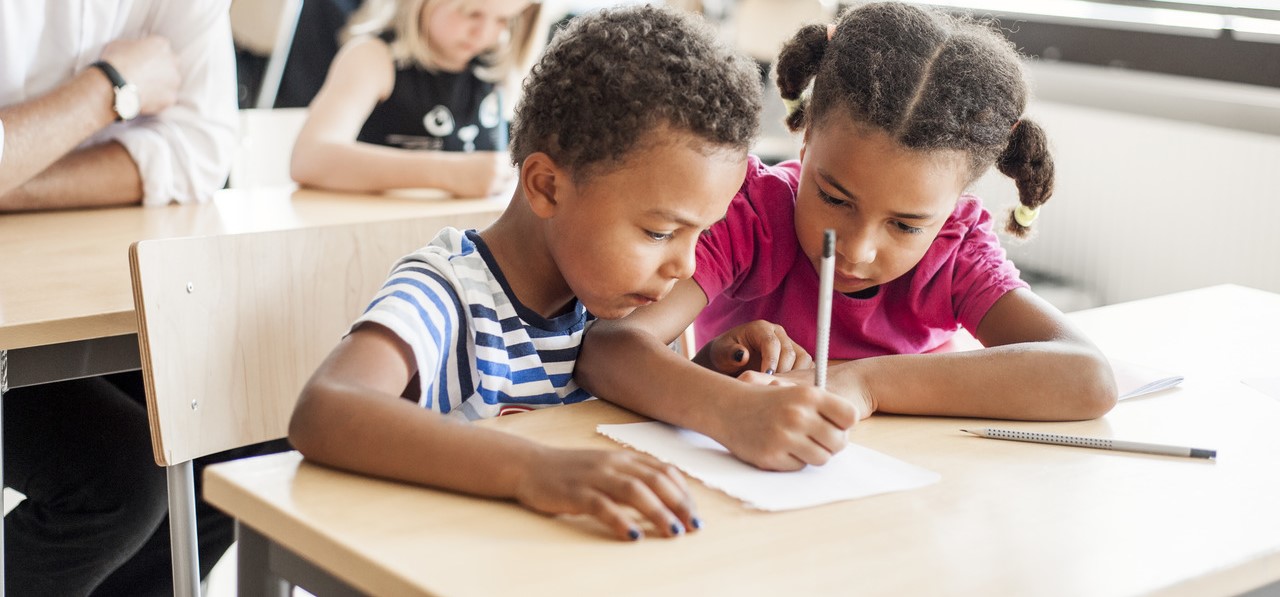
(829, 243)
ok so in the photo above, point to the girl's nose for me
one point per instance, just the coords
(681, 263)
(858, 246)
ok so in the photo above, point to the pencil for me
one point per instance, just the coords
(826, 281)
(1092, 442)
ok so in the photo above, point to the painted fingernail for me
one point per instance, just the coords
(696, 522)
(633, 534)
(768, 371)
(739, 355)
(676, 528)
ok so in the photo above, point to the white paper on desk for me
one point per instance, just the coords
(1267, 385)
(852, 473)
(1133, 380)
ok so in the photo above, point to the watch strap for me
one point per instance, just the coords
(117, 81)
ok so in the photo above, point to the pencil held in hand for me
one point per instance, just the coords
(826, 283)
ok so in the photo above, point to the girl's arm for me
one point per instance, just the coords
(350, 416)
(327, 155)
(1036, 367)
(779, 427)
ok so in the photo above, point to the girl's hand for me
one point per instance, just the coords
(755, 346)
(856, 395)
(782, 426)
(611, 485)
(481, 173)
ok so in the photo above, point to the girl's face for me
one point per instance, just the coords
(459, 30)
(885, 202)
(623, 238)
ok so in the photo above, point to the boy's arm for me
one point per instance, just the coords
(779, 427)
(350, 416)
(1037, 367)
(327, 154)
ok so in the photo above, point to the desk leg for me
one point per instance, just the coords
(182, 530)
(254, 576)
(268, 569)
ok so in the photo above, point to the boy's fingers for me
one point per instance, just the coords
(634, 491)
(613, 516)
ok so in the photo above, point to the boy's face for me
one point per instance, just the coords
(885, 202)
(623, 237)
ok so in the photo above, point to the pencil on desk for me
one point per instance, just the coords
(1092, 442)
(826, 282)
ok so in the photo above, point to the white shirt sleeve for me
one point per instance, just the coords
(185, 152)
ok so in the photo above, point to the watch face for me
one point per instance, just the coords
(127, 103)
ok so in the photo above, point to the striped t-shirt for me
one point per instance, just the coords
(480, 352)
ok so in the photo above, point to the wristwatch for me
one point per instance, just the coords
(126, 103)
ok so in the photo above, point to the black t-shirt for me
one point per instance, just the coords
(438, 111)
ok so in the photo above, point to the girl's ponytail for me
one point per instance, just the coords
(1027, 161)
(797, 64)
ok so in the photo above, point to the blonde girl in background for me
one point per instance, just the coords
(415, 98)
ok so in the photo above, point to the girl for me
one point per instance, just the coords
(908, 107)
(412, 98)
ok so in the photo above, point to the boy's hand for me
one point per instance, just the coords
(784, 426)
(609, 485)
(755, 346)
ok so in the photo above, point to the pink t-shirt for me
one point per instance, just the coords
(751, 267)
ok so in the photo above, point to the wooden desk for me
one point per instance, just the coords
(1007, 518)
(64, 277)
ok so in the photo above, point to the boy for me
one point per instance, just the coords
(630, 140)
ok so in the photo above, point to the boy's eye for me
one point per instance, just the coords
(659, 235)
(908, 229)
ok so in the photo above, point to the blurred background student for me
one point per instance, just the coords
(415, 98)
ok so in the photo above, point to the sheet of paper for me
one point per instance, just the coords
(853, 473)
(1267, 385)
(1133, 380)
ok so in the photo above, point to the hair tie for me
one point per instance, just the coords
(831, 31)
(1015, 126)
(1024, 215)
(793, 104)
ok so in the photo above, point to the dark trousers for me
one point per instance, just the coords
(95, 518)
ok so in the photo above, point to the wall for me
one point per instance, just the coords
(1147, 205)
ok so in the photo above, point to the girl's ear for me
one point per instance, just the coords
(542, 181)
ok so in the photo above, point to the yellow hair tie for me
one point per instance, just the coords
(793, 104)
(1024, 215)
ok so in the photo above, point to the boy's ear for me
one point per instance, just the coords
(542, 180)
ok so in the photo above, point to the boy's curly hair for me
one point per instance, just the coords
(930, 80)
(610, 77)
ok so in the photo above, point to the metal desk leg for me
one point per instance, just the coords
(182, 530)
(254, 576)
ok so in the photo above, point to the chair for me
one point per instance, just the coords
(266, 29)
(265, 147)
(230, 327)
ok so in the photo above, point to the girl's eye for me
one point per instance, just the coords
(829, 200)
(659, 236)
(908, 229)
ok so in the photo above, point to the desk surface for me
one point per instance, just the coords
(65, 275)
(1007, 518)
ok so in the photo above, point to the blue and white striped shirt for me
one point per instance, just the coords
(480, 352)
